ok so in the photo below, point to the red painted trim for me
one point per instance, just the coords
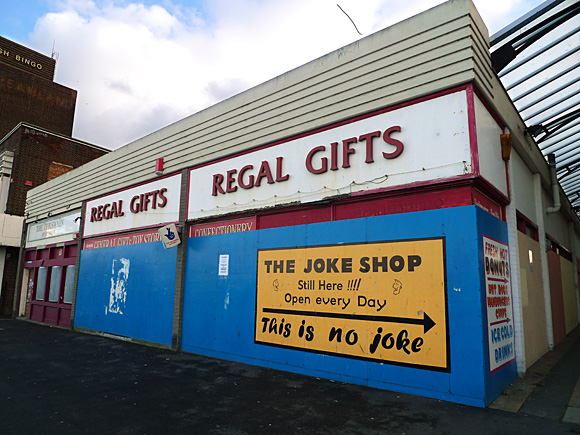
(507, 179)
(53, 245)
(335, 125)
(130, 230)
(31, 264)
(486, 203)
(525, 219)
(416, 185)
(504, 364)
(507, 172)
(231, 216)
(490, 190)
(452, 196)
(113, 240)
(296, 216)
(472, 131)
(333, 204)
(559, 249)
(70, 261)
(237, 226)
(159, 165)
(565, 253)
(50, 304)
(188, 192)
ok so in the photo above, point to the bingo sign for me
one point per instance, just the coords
(381, 301)
(500, 323)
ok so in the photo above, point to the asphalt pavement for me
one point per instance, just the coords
(56, 381)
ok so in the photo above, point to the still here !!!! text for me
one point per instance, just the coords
(396, 263)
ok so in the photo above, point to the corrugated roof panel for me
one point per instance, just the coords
(538, 61)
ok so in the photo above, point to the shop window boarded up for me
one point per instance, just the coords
(57, 169)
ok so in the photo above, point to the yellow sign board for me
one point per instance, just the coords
(383, 301)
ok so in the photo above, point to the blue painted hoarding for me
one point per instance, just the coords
(128, 291)
(260, 311)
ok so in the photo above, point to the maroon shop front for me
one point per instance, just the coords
(49, 276)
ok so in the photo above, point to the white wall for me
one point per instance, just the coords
(556, 224)
(491, 165)
(523, 187)
(10, 230)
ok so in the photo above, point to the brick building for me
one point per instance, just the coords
(28, 92)
(36, 121)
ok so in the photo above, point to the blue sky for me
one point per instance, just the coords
(18, 17)
(141, 65)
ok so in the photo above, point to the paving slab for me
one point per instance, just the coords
(524, 388)
(552, 398)
(572, 415)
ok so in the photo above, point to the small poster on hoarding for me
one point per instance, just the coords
(169, 236)
(498, 292)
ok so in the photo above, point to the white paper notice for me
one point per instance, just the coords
(224, 265)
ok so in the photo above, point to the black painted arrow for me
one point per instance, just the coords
(426, 321)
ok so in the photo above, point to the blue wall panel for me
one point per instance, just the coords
(128, 291)
(219, 311)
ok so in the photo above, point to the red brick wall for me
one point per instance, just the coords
(25, 97)
(57, 169)
(34, 153)
(24, 58)
(9, 281)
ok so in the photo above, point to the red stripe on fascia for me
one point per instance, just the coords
(417, 184)
(490, 190)
(129, 231)
(472, 131)
(452, 196)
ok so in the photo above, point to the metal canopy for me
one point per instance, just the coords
(537, 58)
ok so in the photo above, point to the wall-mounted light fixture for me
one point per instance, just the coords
(506, 146)
(159, 166)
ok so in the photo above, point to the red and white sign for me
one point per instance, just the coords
(142, 206)
(419, 143)
(123, 240)
(498, 291)
(223, 227)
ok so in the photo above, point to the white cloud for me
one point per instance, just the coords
(138, 68)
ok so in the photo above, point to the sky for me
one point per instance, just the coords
(139, 66)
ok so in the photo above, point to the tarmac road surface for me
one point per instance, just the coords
(55, 381)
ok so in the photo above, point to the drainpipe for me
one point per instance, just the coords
(555, 188)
